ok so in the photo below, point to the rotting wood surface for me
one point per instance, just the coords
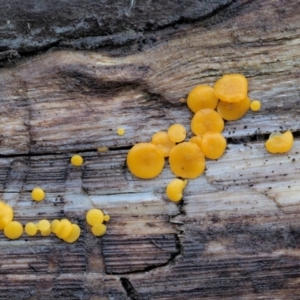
(236, 234)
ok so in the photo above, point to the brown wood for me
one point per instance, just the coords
(235, 235)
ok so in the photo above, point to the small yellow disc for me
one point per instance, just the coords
(74, 234)
(106, 218)
(99, 229)
(38, 194)
(44, 225)
(177, 133)
(13, 230)
(54, 225)
(77, 160)
(31, 229)
(94, 216)
(255, 105)
(121, 131)
(46, 232)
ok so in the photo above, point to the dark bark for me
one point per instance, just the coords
(30, 26)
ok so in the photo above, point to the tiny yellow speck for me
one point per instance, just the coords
(76, 160)
(255, 105)
(121, 131)
(106, 218)
(38, 194)
(102, 149)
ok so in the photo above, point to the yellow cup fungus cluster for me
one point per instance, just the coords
(63, 229)
(95, 218)
(228, 100)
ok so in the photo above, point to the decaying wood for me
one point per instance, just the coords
(235, 235)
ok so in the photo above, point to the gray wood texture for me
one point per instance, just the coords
(235, 235)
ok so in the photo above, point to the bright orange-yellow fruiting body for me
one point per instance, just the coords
(38, 194)
(280, 143)
(202, 96)
(94, 216)
(163, 143)
(232, 111)
(145, 161)
(13, 230)
(175, 189)
(255, 105)
(231, 88)
(187, 160)
(206, 120)
(177, 133)
(213, 145)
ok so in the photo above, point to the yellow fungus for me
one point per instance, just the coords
(213, 145)
(106, 218)
(207, 120)
(63, 228)
(44, 225)
(280, 143)
(202, 96)
(175, 188)
(94, 216)
(99, 229)
(54, 225)
(231, 88)
(13, 230)
(145, 161)
(121, 131)
(255, 105)
(6, 215)
(31, 229)
(102, 149)
(196, 140)
(46, 232)
(73, 235)
(76, 160)
(177, 133)
(232, 111)
(187, 160)
(38, 194)
(163, 143)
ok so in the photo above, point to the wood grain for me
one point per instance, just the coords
(235, 235)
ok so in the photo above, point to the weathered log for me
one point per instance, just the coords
(235, 235)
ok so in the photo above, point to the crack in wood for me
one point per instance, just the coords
(130, 290)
